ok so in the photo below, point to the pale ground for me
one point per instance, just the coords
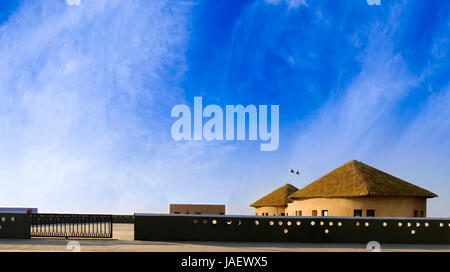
(123, 241)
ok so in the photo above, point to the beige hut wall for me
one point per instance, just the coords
(383, 206)
(271, 211)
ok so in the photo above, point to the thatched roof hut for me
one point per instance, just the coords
(277, 198)
(356, 179)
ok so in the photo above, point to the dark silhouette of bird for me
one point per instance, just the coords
(292, 171)
(298, 172)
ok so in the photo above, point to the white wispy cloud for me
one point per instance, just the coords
(360, 121)
(85, 111)
(85, 95)
(289, 3)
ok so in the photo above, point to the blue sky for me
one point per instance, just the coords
(86, 93)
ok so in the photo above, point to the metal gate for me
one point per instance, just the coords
(71, 225)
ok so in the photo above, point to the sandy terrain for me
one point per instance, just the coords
(123, 241)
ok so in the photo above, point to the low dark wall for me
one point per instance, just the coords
(123, 219)
(157, 227)
(14, 226)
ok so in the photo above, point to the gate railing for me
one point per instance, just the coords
(71, 225)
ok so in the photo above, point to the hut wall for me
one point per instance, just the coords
(271, 211)
(383, 206)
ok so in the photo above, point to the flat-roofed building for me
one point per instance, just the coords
(18, 210)
(197, 209)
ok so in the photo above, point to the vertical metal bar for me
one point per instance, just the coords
(111, 230)
(101, 226)
(97, 226)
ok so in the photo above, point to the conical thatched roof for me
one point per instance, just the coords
(355, 179)
(277, 198)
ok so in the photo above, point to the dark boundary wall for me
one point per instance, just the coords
(14, 226)
(307, 229)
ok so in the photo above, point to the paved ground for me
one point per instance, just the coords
(123, 241)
